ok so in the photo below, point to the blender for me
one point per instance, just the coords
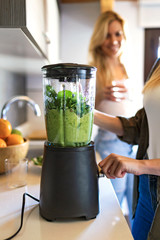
(69, 179)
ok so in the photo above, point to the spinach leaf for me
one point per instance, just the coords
(66, 99)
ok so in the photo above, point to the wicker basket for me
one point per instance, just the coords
(16, 152)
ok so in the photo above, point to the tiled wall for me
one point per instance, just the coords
(34, 89)
(12, 84)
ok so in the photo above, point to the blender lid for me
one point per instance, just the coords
(70, 71)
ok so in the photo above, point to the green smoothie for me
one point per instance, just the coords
(69, 119)
(54, 126)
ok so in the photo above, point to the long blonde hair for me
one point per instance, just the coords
(153, 81)
(96, 56)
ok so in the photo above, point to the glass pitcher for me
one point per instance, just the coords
(69, 99)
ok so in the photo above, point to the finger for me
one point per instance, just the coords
(113, 169)
(106, 171)
(101, 163)
(115, 96)
(107, 164)
(120, 84)
(119, 89)
(120, 171)
(108, 175)
(111, 97)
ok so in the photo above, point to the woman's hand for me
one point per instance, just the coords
(116, 166)
(116, 92)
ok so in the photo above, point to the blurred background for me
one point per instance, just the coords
(33, 34)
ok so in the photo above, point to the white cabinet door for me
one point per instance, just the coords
(52, 30)
(35, 24)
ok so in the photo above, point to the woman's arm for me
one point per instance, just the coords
(115, 166)
(108, 122)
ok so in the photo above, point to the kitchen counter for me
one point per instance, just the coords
(109, 224)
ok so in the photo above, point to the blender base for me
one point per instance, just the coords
(69, 183)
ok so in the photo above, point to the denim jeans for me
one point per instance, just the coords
(107, 143)
(144, 211)
(153, 190)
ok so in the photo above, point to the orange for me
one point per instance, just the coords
(14, 139)
(2, 143)
(5, 128)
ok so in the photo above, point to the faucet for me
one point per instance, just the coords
(29, 101)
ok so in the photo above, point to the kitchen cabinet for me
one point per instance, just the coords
(52, 30)
(26, 34)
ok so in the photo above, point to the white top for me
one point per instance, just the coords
(152, 106)
(122, 108)
(109, 224)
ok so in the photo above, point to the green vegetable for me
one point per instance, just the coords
(66, 100)
(37, 160)
(68, 117)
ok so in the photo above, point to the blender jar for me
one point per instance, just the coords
(69, 98)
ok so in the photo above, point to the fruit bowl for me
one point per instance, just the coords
(15, 152)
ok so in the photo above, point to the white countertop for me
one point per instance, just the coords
(109, 224)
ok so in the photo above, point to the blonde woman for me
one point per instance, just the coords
(105, 51)
(142, 129)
